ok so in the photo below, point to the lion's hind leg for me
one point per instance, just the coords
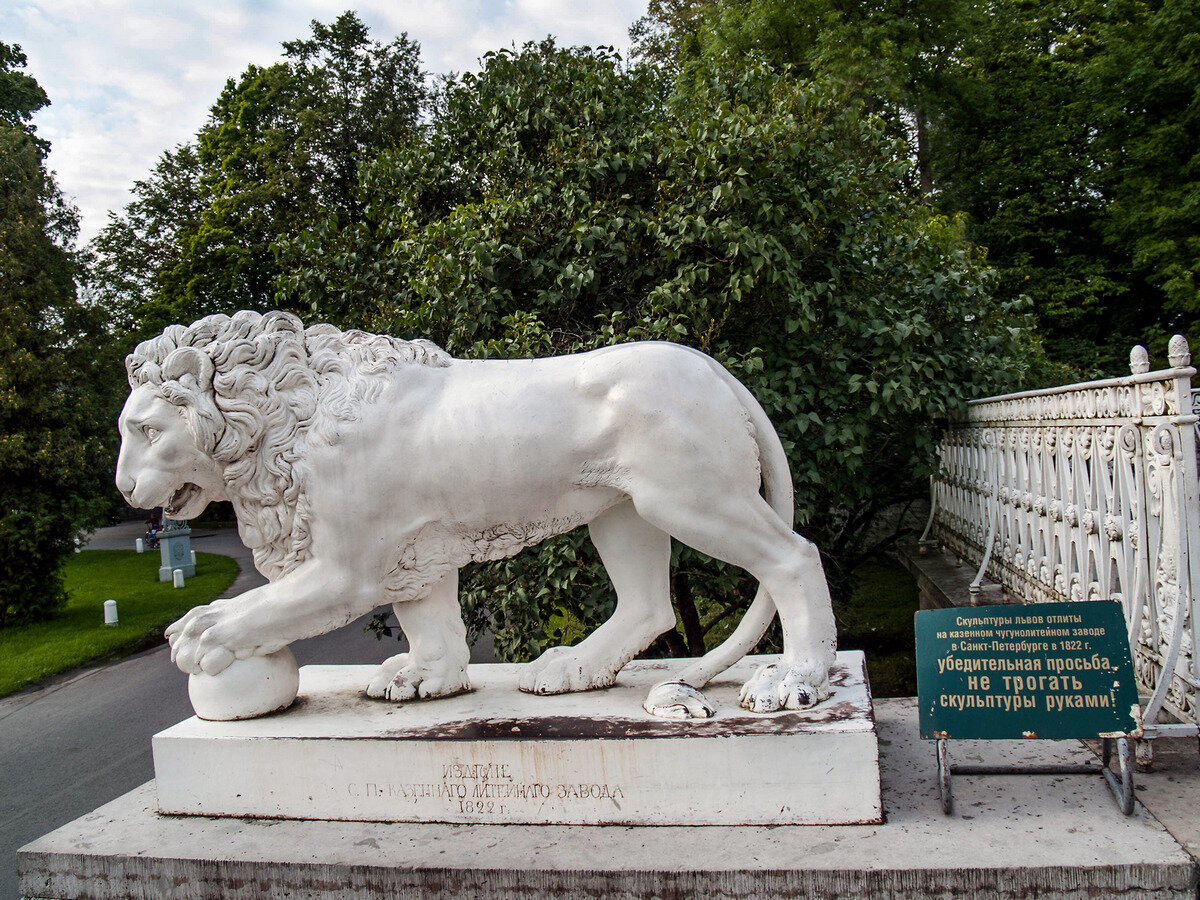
(741, 528)
(637, 557)
(436, 662)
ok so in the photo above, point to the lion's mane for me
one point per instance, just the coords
(257, 391)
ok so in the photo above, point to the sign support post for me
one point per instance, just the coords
(1123, 790)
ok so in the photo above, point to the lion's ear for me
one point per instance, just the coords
(186, 364)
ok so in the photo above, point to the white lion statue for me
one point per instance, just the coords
(366, 469)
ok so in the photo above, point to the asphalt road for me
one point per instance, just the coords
(83, 739)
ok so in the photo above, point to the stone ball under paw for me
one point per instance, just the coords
(247, 688)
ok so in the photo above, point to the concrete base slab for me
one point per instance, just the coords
(1172, 790)
(944, 582)
(501, 756)
(1011, 837)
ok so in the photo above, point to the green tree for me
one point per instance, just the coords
(20, 94)
(54, 411)
(1062, 129)
(896, 57)
(282, 149)
(1146, 90)
(1016, 151)
(668, 34)
(133, 253)
(560, 203)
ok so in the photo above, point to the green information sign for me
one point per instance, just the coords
(1046, 670)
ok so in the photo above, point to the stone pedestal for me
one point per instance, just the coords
(497, 756)
(175, 547)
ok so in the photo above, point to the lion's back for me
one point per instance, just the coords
(656, 380)
(544, 421)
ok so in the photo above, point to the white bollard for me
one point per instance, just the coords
(141, 545)
(178, 573)
(110, 613)
(193, 559)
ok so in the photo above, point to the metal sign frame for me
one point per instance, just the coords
(1054, 671)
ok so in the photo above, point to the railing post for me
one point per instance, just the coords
(994, 475)
(924, 544)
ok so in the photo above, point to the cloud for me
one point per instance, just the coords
(454, 35)
(129, 79)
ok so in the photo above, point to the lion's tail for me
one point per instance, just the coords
(777, 488)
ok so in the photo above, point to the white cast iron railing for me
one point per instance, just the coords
(1087, 492)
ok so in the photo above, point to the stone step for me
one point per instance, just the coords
(1010, 837)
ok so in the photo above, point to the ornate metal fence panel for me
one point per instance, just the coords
(1088, 492)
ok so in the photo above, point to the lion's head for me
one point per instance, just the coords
(226, 408)
(160, 463)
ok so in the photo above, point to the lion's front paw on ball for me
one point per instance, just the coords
(779, 686)
(207, 639)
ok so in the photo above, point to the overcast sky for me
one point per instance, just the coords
(129, 79)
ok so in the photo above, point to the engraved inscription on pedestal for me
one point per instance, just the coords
(484, 789)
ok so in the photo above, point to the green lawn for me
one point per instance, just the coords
(145, 607)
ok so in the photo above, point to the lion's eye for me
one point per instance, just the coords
(151, 432)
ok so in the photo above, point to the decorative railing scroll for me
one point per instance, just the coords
(1087, 492)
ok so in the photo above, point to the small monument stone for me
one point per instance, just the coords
(175, 549)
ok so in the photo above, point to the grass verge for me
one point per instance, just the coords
(145, 607)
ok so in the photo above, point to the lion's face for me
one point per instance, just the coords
(159, 463)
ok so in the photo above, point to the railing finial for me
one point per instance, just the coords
(1178, 352)
(1139, 360)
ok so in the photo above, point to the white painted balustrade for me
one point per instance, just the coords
(1089, 492)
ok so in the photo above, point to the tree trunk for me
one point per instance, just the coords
(924, 175)
(693, 632)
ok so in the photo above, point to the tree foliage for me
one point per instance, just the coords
(1015, 150)
(133, 255)
(282, 149)
(558, 202)
(1146, 86)
(897, 58)
(54, 411)
(20, 94)
(1064, 130)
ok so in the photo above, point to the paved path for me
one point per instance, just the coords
(76, 742)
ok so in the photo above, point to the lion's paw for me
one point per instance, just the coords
(778, 686)
(383, 676)
(676, 700)
(207, 639)
(561, 670)
(398, 680)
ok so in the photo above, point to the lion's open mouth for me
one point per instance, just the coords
(181, 498)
